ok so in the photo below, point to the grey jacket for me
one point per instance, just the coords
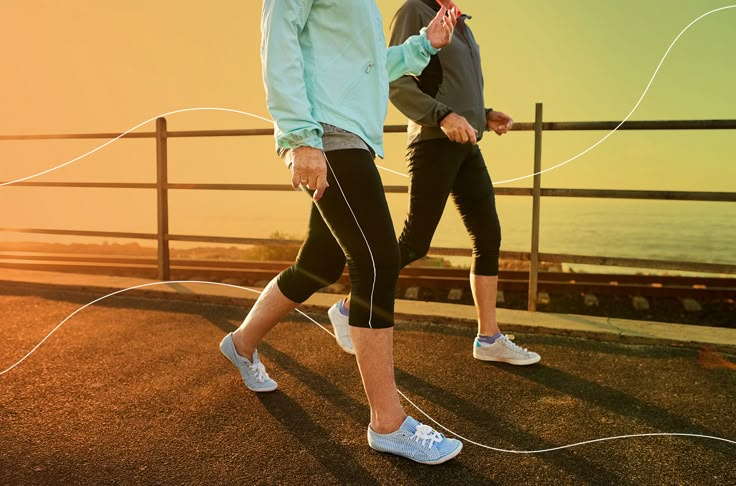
(451, 83)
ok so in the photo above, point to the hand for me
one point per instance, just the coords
(458, 129)
(499, 122)
(309, 170)
(440, 29)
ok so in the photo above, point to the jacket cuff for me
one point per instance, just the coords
(442, 114)
(301, 138)
(427, 45)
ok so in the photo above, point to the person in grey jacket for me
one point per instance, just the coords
(447, 118)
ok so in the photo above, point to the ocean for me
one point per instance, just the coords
(664, 230)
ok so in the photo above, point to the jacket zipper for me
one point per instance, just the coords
(466, 40)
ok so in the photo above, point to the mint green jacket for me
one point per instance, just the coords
(327, 61)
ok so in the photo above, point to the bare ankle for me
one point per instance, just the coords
(241, 347)
(386, 426)
(488, 329)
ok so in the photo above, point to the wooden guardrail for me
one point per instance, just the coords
(163, 237)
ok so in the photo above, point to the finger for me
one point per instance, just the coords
(295, 181)
(473, 136)
(463, 136)
(468, 128)
(439, 18)
(321, 186)
(453, 17)
(311, 182)
(449, 25)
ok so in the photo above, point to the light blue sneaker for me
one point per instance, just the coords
(254, 374)
(415, 441)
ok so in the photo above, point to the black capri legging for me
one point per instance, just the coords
(350, 223)
(437, 169)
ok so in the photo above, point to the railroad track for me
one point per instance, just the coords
(450, 279)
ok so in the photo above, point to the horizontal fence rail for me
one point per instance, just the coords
(400, 189)
(517, 127)
(534, 256)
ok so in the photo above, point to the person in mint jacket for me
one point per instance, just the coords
(326, 70)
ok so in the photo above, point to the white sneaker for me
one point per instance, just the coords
(504, 350)
(341, 328)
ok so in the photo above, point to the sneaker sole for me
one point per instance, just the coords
(334, 330)
(517, 362)
(430, 463)
(257, 390)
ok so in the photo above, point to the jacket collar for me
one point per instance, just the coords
(436, 7)
(433, 4)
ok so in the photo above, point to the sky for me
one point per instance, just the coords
(102, 66)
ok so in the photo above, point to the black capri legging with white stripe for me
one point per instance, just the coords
(350, 223)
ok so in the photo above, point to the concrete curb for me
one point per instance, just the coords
(591, 327)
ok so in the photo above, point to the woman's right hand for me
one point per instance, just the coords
(309, 169)
(458, 129)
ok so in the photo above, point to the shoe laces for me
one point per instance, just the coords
(512, 345)
(259, 371)
(425, 433)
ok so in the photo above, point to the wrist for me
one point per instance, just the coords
(489, 112)
(443, 115)
(305, 148)
(427, 43)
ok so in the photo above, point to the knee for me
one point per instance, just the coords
(383, 259)
(413, 252)
(311, 274)
(386, 258)
(487, 238)
(333, 271)
(493, 241)
(325, 271)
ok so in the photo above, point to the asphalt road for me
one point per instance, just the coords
(134, 391)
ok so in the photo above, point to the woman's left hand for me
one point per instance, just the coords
(499, 122)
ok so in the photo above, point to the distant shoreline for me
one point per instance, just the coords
(232, 253)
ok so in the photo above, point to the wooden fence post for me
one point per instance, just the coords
(536, 199)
